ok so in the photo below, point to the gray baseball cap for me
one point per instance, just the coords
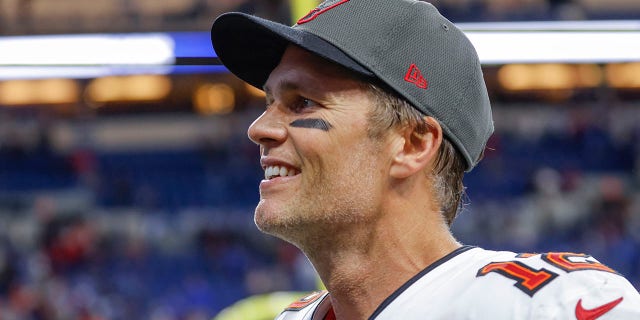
(406, 44)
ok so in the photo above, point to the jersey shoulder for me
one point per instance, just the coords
(558, 285)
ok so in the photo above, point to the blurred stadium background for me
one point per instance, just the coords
(127, 183)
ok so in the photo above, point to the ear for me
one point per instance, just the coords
(416, 150)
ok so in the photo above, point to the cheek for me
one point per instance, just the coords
(345, 152)
(354, 168)
(353, 189)
(316, 150)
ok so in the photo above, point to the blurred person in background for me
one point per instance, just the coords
(375, 110)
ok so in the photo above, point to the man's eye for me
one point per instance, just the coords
(303, 104)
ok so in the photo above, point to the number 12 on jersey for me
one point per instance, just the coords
(530, 280)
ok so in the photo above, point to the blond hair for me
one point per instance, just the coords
(391, 111)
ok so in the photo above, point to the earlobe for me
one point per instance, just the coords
(417, 150)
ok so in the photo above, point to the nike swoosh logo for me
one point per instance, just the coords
(595, 313)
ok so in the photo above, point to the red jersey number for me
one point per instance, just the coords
(530, 280)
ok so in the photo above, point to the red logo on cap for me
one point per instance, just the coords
(415, 76)
(322, 8)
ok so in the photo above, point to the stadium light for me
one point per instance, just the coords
(504, 47)
(98, 55)
(128, 88)
(623, 75)
(548, 26)
(85, 56)
(214, 98)
(33, 92)
(555, 41)
(90, 56)
(89, 50)
(549, 76)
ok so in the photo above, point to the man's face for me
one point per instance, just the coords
(322, 171)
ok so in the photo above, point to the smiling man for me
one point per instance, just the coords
(375, 109)
(320, 165)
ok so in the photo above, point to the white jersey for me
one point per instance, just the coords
(473, 283)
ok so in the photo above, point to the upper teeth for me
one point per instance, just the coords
(278, 171)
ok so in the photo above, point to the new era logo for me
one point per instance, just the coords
(415, 76)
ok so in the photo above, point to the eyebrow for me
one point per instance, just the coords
(284, 85)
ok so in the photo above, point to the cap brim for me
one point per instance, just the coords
(251, 47)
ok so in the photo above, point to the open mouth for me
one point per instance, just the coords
(271, 172)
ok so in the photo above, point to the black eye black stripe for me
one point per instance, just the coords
(311, 123)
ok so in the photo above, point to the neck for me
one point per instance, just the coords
(363, 265)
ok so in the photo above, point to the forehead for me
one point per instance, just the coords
(299, 67)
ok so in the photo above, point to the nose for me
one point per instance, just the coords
(268, 129)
